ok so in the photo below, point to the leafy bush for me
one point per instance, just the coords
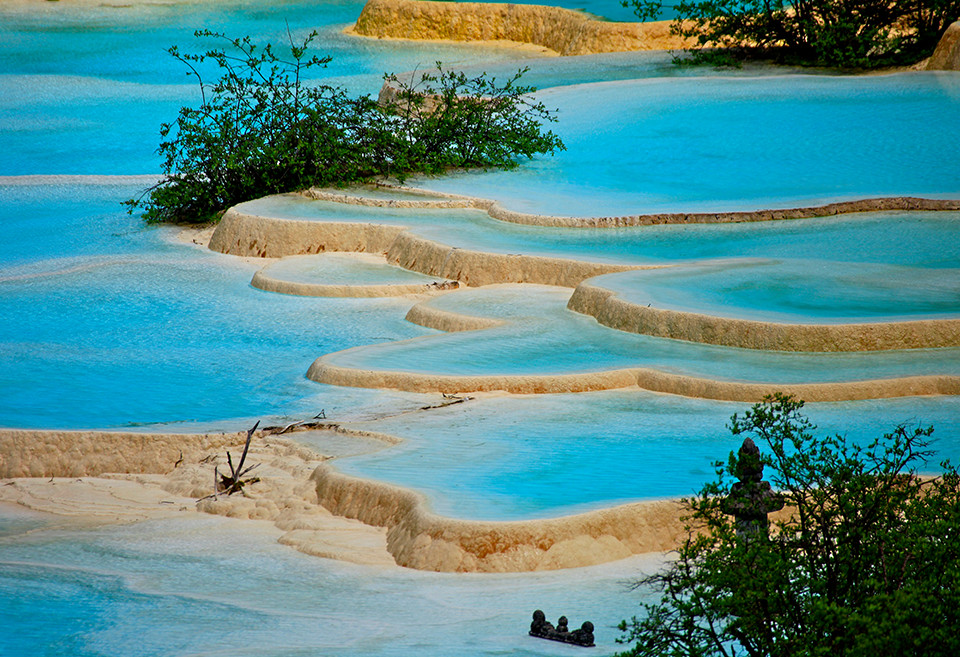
(838, 33)
(867, 563)
(263, 128)
(448, 119)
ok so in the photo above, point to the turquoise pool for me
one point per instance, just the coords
(802, 291)
(108, 323)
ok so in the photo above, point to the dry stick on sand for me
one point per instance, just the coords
(234, 483)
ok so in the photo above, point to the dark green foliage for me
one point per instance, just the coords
(855, 34)
(868, 562)
(447, 119)
(263, 128)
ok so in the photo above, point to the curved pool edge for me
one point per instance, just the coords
(612, 311)
(415, 537)
(243, 234)
(498, 211)
(323, 371)
(420, 539)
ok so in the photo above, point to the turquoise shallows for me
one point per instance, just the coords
(541, 336)
(507, 458)
(916, 239)
(108, 323)
(206, 585)
(84, 89)
(796, 291)
(727, 143)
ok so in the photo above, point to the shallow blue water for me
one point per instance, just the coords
(109, 323)
(804, 291)
(106, 323)
(337, 269)
(915, 239)
(729, 143)
(536, 339)
(100, 76)
(516, 457)
(207, 586)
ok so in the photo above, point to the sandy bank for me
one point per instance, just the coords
(124, 477)
(558, 30)
(612, 311)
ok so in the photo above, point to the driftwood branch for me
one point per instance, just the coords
(234, 482)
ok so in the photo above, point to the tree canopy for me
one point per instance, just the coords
(863, 560)
(262, 128)
(858, 34)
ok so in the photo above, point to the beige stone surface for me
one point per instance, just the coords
(125, 477)
(420, 539)
(269, 237)
(263, 281)
(560, 31)
(252, 235)
(445, 320)
(906, 203)
(614, 312)
(323, 371)
(946, 57)
(314, 508)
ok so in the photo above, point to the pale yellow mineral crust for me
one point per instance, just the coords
(245, 234)
(420, 539)
(324, 371)
(560, 31)
(612, 311)
(124, 477)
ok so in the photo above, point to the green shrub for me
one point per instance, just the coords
(857, 34)
(867, 563)
(263, 128)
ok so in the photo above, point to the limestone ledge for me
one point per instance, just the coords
(420, 539)
(561, 31)
(53, 453)
(114, 477)
(445, 320)
(263, 281)
(317, 510)
(324, 371)
(946, 56)
(614, 312)
(497, 211)
(427, 200)
(245, 234)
